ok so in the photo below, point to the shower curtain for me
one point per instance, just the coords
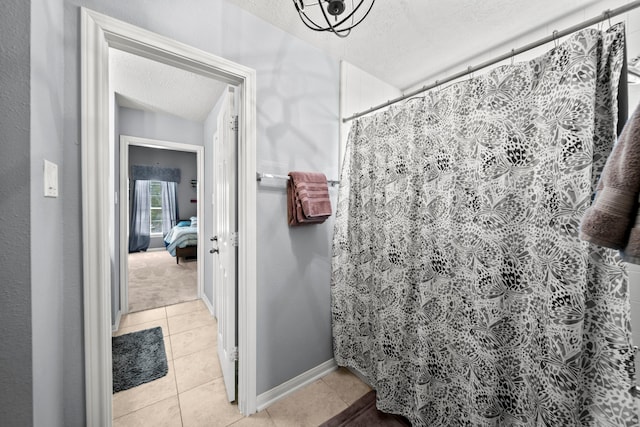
(460, 289)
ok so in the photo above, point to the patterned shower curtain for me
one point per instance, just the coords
(460, 289)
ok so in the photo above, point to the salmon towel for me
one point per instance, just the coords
(308, 199)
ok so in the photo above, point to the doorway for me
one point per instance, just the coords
(171, 149)
(99, 33)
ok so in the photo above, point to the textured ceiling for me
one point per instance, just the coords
(406, 42)
(402, 42)
(145, 84)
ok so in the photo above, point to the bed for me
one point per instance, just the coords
(182, 240)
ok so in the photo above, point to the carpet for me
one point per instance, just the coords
(138, 357)
(363, 413)
(155, 280)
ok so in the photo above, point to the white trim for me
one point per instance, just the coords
(208, 304)
(116, 324)
(125, 142)
(270, 397)
(98, 33)
(95, 223)
(124, 226)
(247, 239)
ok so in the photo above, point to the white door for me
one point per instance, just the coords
(225, 259)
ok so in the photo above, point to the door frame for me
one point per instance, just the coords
(127, 141)
(225, 178)
(98, 33)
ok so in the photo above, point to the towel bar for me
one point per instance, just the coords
(261, 175)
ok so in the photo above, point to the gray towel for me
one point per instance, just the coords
(613, 220)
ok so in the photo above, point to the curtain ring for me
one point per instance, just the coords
(555, 39)
(513, 54)
(609, 16)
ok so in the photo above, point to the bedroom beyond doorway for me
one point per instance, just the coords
(155, 280)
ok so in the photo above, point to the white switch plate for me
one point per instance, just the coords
(50, 179)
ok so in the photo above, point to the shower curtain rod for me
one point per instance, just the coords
(607, 14)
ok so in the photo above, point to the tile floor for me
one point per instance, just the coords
(193, 394)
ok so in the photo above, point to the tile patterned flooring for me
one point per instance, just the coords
(192, 394)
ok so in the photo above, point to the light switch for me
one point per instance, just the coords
(50, 179)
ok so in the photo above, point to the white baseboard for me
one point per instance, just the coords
(270, 397)
(206, 302)
(116, 324)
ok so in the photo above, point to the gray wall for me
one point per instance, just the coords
(47, 215)
(297, 116)
(298, 127)
(166, 127)
(634, 95)
(16, 385)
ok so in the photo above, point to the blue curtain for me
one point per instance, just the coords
(140, 221)
(169, 206)
(155, 173)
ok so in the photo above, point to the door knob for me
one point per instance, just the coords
(214, 251)
(214, 239)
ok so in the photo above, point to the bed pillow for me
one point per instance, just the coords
(194, 221)
(184, 224)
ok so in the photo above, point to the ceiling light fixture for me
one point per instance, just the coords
(337, 16)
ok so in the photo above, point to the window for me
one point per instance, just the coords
(155, 206)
